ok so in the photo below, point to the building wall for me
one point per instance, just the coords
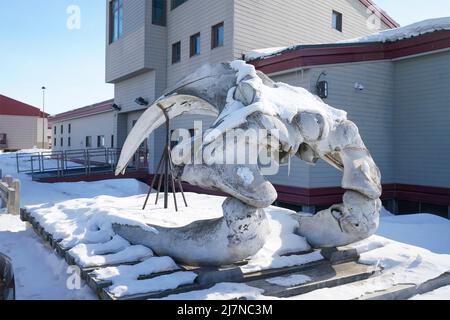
(126, 56)
(126, 92)
(422, 120)
(39, 123)
(371, 110)
(21, 131)
(93, 125)
(190, 18)
(275, 23)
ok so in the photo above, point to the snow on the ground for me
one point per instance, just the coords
(421, 230)
(401, 263)
(82, 214)
(160, 283)
(409, 31)
(292, 280)
(221, 291)
(39, 273)
(148, 267)
(439, 294)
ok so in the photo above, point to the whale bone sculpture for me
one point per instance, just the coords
(244, 99)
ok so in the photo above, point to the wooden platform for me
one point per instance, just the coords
(340, 266)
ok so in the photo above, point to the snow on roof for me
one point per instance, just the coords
(390, 35)
(261, 53)
(409, 31)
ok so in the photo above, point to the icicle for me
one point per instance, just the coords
(289, 166)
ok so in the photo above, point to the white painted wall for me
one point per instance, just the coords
(21, 131)
(93, 125)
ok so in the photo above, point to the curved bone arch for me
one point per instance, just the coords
(242, 98)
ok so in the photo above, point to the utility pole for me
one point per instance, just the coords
(43, 117)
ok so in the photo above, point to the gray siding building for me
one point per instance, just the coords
(397, 93)
(151, 44)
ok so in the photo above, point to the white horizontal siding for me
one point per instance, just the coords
(371, 110)
(127, 55)
(190, 18)
(102, 124)
(126, 92)
(422, 118)
(21, 131)
(273, 23)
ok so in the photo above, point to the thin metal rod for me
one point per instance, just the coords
(159, 186)
(153, 183)
(173, 192)
(178, 181)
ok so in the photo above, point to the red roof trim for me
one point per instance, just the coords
(104, 106)
(387, 19)
(347, 53)
(12, 107)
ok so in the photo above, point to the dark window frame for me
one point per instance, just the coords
(159, 17)
(69, 142)
(62, 141)
(216, 42)
(339, 22)
(54, 141)
(54, 129)
(62, 129)
(176, 55)
(112, 141)
(176, 3)
(88, 142)
(101, 142)
(115, 20)
(195, 48)
(70, 128)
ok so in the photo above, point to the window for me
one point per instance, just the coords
(62, 142)
(176, 52)
(100, 141)
(88, 142)
(54, 130)
(54, 141)
(70, 128)
(195, 45)
(69, 142)
(115, 20)
(62, 129)
(217, 35)
(159, 12)
(177, 3)
(337, 21)
(112, 141)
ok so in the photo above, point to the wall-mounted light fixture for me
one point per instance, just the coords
(359, 86)
(322, 86)
(141, 101)
(117, 107)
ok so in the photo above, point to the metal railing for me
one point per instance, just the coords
(76, 162)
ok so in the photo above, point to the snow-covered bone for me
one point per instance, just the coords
(307, 127)
(239, 234)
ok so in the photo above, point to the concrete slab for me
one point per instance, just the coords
(323, 276)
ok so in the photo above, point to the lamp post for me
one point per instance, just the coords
(43, 116)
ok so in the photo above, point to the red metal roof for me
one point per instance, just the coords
(312, 55)
(11, 107)
(388, 20)
(84, 111)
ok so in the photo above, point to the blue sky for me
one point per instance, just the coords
(38, 49)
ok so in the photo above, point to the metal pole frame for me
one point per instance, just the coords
(165, 168)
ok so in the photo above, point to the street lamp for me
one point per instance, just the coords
(43, 116)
